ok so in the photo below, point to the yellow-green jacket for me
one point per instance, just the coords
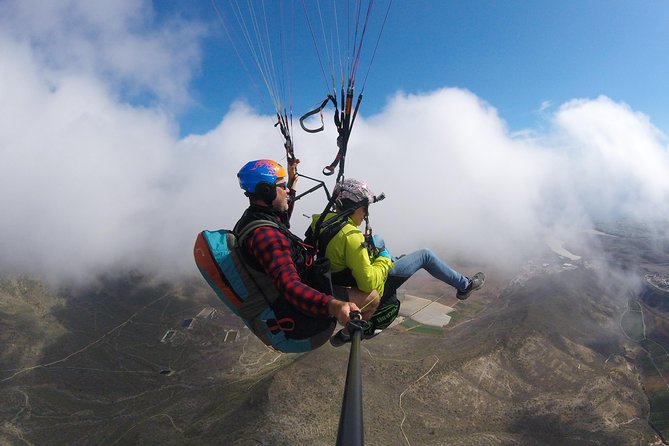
(346, 250)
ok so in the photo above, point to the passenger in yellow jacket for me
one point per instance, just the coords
(350, 260)
(367, 265)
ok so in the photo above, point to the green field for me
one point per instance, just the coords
(647, 367)
(653, 348)
(632, 324)
(465, 310)
(659, 411)
(654, 364)
(662, 363)
(416, 327)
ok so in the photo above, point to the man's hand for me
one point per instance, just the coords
(342, 310)
(379, 242)
(292, 173)
(380, 245)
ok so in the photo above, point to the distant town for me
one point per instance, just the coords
(660, 281)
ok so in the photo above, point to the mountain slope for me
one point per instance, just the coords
(545, 363)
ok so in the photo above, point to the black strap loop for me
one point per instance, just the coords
(311, 113)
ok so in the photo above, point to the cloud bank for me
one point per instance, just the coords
(90, 182)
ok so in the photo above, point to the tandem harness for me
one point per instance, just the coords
(252, 296)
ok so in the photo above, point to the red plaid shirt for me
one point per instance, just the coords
(272, 249)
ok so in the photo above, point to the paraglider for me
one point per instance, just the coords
(259, 33)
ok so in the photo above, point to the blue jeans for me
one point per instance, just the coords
(425, 259)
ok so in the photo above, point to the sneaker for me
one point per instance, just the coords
(340, 338)
(475, 283)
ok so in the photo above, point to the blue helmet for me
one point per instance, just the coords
(258, 178)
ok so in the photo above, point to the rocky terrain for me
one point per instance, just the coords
(552, 355)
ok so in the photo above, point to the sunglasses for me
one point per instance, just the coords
(283, 185)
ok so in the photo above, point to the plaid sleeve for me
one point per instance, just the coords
(272, 249)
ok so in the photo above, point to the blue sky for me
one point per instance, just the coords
(488, 125)
(516, 55)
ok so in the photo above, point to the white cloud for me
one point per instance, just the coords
(545, 105)
(120, 42)
(620, 158)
